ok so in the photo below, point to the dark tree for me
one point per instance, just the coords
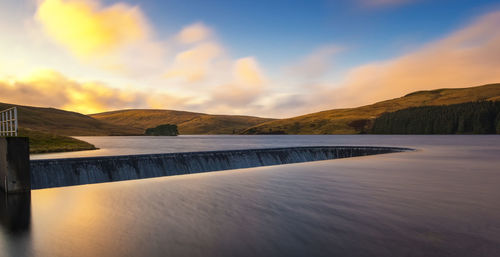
(163, 130)
(467, 118)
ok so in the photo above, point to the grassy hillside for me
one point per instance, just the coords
(66, 123)
(187, 122)
(41, 142)
(360, 119)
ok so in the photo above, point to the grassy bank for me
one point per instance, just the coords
(41, 142)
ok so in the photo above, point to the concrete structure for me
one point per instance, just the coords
(15, 176)
(78, 171)
(15, 212)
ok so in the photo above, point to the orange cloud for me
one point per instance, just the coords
(247, 72)
(194, 33)
(467, 57)
(51, 89)
(86, 28)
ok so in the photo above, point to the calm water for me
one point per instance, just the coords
(146, 145)
(443, 200)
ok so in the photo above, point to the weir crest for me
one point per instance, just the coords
(79, 171)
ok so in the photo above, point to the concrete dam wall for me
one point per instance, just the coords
(79, 171)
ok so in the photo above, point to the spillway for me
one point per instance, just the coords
(79, 171)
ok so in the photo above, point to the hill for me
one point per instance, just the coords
(360, 119)
(59, 122)
(466, 118)
(188, 123)
(49, 129)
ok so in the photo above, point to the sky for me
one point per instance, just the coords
(264, 58)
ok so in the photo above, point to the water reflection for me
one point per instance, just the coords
(15, 212)
(439, 201)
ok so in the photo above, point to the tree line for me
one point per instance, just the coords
(466, 118)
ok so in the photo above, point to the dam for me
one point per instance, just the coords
(79, 171)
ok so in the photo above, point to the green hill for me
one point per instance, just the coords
(188, 123)
(360, 119)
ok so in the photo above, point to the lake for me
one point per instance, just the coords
(441, 200)
(110, 146)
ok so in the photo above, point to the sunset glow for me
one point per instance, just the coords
(91, 56)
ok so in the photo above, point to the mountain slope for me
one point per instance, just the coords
(187, 122)
(65, 123)
(359, 120)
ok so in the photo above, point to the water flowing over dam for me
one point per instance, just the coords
(79, 171)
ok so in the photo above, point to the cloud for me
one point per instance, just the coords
(193, 64)
(38, 90)
(112, 37)
(199, 57)
(194, 33)
(87, 28)
(222, 84)
(467, 57)
(116, 38)
(247, 72)
(289, 102)
(51, 89)
(316, 63)
(248, 84)
(196, 65)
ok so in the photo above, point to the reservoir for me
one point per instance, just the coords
(440, 200)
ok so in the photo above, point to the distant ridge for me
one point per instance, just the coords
(48, 128)
(188, 123)
(360, 119)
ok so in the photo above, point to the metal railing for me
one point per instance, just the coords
(8, 122)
